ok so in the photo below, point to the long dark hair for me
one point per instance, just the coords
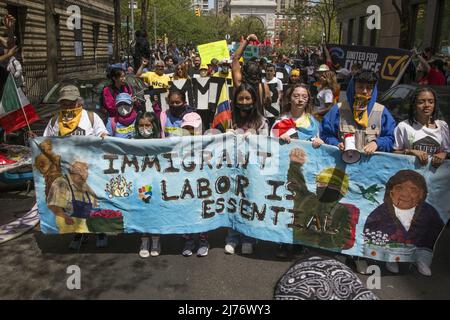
(413, 104)
(254, 119)
(288, 95)
(154, 120)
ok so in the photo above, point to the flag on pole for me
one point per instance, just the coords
(223, 118)
(16, 111)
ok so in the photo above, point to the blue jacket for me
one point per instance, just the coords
(330, 125)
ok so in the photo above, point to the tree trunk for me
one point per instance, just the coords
(144, 9)
(117, 26)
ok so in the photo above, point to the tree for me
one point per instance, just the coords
(144, 9)
(326, 11)
(245, 26)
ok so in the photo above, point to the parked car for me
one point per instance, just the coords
(398, 99)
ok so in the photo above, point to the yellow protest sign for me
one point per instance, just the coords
(218, 50)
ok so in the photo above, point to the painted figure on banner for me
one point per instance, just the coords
(405, 224)
(319, 218)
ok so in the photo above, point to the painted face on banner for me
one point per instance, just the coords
(406, 195)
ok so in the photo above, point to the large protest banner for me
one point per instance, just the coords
(385, 207)
(387, 62)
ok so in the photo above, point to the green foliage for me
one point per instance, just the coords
(176, 19)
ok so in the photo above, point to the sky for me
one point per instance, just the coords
(211, 4)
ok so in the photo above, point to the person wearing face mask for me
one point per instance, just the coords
(405, 219)
(250, 73)
(246, 120)
(148, 127)
(360, 114)
(122, 125)
(171, 120)
(73, 120)
(224, 71)
(109, 94)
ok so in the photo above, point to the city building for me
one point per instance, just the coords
(430, 24)
(49, 50)
(263, 10)
(202, 4)
(284, 23)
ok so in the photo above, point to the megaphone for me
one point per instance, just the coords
(350, 154)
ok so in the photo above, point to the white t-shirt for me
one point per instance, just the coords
(85, 127)
(278, 95)
(419, 137)
(405, 216)
(325, 96)
(274, 80)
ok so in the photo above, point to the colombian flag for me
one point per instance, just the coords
(223, 118)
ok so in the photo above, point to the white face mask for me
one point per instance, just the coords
(145, 132)
(124, 110)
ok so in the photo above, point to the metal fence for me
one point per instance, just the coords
(35, 81)
(35, 74)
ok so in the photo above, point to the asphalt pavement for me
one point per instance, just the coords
(34, 266)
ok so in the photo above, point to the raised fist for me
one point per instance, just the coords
(298, 155)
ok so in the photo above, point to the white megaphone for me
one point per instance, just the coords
(350, 154)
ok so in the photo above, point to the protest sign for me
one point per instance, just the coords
(387, 62)
(282, 193)
(217, 50)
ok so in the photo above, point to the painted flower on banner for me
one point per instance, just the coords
(118, 187)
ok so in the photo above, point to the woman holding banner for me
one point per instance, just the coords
(296, 122)
(247, 120)
(422, 134)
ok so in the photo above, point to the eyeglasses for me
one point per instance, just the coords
(159, 67)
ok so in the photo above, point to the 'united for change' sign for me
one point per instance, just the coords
(386, 62)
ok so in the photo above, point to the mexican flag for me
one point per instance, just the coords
(16, 111)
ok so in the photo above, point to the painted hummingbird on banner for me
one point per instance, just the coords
(370, 193)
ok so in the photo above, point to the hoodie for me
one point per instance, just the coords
(329, 132)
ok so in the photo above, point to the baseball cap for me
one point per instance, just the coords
(123, 98)
(344, 72)
(192, 119)
(323, 68)
(295, 72)
(69, 92)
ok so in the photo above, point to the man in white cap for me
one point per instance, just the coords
(72, 119)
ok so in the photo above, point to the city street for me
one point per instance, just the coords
(34, 267)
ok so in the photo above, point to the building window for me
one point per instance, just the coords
(57, 35)
(443, 35)
(79, 40)
(361, 30)
(419, 29)
(95, 35)
(110, 40)
(350, 32)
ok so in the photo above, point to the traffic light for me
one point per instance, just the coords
(197, 12)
